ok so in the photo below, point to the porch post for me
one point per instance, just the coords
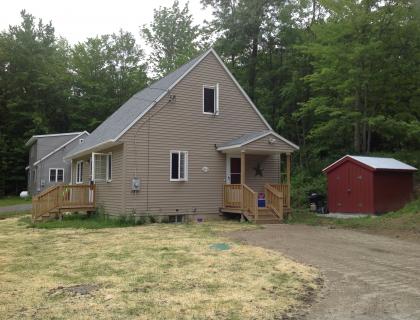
(242, 167)
(288, 164)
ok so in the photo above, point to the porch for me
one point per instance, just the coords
(55, 200)
(258, 196)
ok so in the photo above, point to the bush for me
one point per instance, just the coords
(303, 184)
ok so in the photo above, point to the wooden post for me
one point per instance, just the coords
(288, 179)
(242, 178)
(242, 167)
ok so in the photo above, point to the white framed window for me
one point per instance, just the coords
(178, 166)
(56, 174)
(79, 171)
(102, 167)
(109, 167)
(211, 99)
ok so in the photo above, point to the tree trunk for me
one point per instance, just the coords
(253, 68)
(369, 138)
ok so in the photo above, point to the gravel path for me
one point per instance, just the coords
(368, 277)
(17, 207)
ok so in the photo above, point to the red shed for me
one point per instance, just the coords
(368, 184)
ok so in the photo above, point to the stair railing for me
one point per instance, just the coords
(250, 202)
(274, 200)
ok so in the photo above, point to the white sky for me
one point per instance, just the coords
(76, 20)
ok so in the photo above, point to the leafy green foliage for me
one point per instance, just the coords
(107, 71)
(47, 86)
(335, 77)
(173, 37)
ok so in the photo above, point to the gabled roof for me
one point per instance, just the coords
(374, 163)
(250, 137)
(107, 134)
(60, 147)
(34, 138)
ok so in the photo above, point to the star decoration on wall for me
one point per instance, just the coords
(258, 170)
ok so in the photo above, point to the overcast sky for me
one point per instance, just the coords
(76, 20)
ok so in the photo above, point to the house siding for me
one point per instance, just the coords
(264, 145)
(270, 165)
(41, 148)
(181, 125)
(109, 195)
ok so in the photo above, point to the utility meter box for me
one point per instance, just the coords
(135, 184)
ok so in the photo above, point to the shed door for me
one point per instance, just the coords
(357, 189)
(350, 190)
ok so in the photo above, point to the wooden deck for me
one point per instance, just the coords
(57, 199)
(241, 199)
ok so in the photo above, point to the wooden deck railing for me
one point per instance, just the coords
(284, 190)
(274, 200)
(59, 197)
(232, 196)
(250, 201)
(240, 196)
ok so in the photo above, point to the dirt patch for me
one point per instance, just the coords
(368, 277)
(79, 289)
(158, 271)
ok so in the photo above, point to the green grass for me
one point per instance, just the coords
(5, 215)
(407, 219)
(10, 201)
(82, 221)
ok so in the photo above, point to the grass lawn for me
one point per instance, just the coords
(154, 271)
(10, 201)
(404, 223)
(6, 215)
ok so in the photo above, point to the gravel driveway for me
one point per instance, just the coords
(367, 276)
(16, 207)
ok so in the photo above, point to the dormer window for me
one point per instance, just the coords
(211, 99)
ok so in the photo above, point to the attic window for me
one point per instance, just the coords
(211, 99)
(81, 140)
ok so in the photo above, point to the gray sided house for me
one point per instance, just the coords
(46, 159)
(191, 143)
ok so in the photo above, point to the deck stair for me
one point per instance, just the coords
(55, 200)
(241, 199)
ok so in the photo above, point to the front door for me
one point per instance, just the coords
(235, 170)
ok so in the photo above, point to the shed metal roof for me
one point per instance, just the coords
(376, 163)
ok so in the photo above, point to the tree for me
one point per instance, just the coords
(107, 71)
(34, 91)
(173, 37)
(364, 77)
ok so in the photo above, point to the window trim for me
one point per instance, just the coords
(56, 175)
(108, 156)
(79, 181)
(216, 98)
(108, 173)
(179, 165)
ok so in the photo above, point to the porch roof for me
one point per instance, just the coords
(262, 141)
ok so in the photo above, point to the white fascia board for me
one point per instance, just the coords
(335, 162)
(33, 138)
(257, 138)
(241, 89)
(83, 152)
(60, 147)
